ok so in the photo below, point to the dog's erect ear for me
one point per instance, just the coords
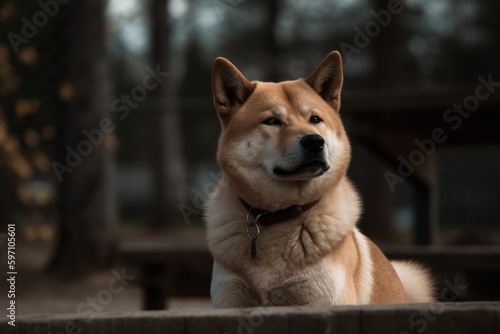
(327, 79)
(230, 88)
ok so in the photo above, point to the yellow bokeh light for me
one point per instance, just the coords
(30, 232)
(41, 162)
(25, 107)
(46, 232)
(4, 53)
(31, 138)
(11, 145)
(3, 131)
(111, 142)
(28, 55)
(24, 193)
(66, 91)
(48, 132)
(45, 197)
(6, 11)
(21, 167)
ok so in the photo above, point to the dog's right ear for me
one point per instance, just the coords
(230, 88)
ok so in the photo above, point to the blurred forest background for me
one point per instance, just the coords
(85, 71)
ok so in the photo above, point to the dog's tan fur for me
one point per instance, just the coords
(320, 257)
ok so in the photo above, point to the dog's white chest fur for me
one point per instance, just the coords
(320, 284)
(293, 264)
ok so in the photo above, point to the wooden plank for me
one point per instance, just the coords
(412, 101)
(485, 258)
(458, 257)
(433, 318)
(167, 255)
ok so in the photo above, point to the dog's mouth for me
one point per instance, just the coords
(311, 168)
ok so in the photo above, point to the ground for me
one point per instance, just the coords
(38, 292)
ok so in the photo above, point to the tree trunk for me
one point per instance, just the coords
(378, 207)
(387, 50)
(87, 204)
(271, 43)
(166, 141)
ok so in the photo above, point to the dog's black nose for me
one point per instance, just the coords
(313, 143)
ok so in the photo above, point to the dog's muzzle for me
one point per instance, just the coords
(313, 162)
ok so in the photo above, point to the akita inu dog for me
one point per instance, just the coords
(281, 225)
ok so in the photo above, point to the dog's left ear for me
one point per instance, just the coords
(327, 79)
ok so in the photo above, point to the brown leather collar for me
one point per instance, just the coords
(269, 218)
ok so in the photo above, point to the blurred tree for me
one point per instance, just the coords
(386, 50)
(198, 118)
(164, 127)
(27, 93)
(87, 238)
(270, 40)
(471, 47)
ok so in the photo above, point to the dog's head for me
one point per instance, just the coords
(281, 143)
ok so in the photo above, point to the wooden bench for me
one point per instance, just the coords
(169, 272)
(186, 272)
(387, 123)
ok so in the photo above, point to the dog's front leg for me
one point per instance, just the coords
(230, 290)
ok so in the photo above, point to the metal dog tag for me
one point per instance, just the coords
(253, 236)
(253, 248)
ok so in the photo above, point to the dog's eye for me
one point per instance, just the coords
(315, 120)
(272, 121)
